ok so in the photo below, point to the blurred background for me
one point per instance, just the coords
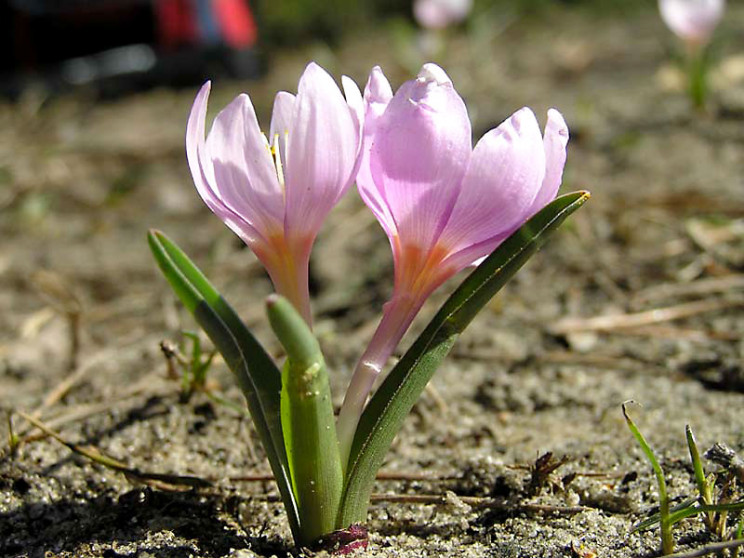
(123, 45)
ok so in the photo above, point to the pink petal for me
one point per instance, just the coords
(281, 119)
(419, 156)
(203, 173)
(323, 149)
(353, 99)
(244, 172)
(356, 108)
(505, 174)
(555, 141)
(377, 95)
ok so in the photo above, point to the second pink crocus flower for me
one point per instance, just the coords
(693, 21)
(438, 14)
(275, 192)
(443, 204)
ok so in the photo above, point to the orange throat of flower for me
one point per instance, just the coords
(419, 272)
(286, 260)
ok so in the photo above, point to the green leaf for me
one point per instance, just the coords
(258, 376)
(386, 411)
(308, 423)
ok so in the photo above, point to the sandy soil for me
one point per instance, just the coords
(80, 183)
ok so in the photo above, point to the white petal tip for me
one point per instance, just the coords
(431, 73)
(378, 88)
(523, 117)
(557, 123)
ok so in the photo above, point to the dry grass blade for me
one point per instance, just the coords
(694, 288)
(639, 319)
(160, 481)
(713, 548)
(476, 502)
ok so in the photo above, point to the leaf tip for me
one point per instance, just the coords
(272, 300)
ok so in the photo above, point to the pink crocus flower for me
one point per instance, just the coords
(438, 14)
(693, 21)
(443, 204)
(275, 193)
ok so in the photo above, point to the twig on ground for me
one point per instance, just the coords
(381, 476)
(157, 480)
(477, 502)
(700, 287)
(709, 549)
(638, 319)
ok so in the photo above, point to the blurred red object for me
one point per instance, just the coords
(135, 43)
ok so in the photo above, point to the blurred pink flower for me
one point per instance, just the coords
(438, 14)
(443, 204)
(275, 193)
(692, 20)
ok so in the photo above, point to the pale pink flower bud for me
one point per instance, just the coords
(275, 192)
(692, 20)
(438, 14)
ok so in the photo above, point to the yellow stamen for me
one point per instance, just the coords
(275, 152)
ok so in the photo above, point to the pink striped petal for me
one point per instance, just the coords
(281, 121)
(323, 148)
(419, 155)
(354, 100)
(377, 96)
(203, 173)
(244, 172)
(555, 141)
(505, 174)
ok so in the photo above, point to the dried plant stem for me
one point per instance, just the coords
(157, 480)
(638, 319)
(709, 549)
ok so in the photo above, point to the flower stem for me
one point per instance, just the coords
(398, 313)
(697, 75)
(288, 262)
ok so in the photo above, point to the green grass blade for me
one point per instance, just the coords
(257, 375)
(697, 465)
(667, 542)
(386, 411)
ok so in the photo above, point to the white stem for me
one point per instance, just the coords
(398, 314)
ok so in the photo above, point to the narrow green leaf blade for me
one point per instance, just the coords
(257, 375)
(386, 411)
(665, 523)
(708, 508)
